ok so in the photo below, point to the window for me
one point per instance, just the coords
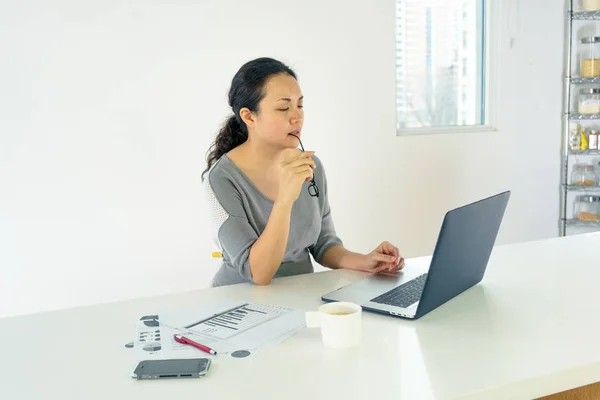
(441, 65)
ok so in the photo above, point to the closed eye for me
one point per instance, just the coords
(286, 109)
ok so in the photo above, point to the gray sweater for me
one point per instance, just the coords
(240, 213)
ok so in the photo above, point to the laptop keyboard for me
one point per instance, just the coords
(403, 295)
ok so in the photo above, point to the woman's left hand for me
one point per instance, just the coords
(385, 257)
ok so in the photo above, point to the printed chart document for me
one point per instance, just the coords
(235, 321)
(229, 327)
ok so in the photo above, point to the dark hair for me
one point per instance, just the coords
(247, 90)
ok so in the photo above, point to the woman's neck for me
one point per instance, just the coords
(258, 156)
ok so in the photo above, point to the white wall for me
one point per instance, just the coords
(107, 109)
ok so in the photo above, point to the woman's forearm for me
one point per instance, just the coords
(340, 257)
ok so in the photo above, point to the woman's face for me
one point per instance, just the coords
(280, 112)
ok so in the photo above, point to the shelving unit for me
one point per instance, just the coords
(582, 224)
(579, 188)
(572, 83)
(583, 15)
(584, 152)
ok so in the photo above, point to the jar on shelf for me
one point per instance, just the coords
(589, 55)
(591, 5)
(584, 175)
(586, 208)
(589, 101)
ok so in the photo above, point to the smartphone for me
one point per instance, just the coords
(169, 369)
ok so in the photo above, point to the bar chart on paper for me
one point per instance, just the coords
(236, 320)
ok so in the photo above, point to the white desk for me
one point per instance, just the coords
(532, 327)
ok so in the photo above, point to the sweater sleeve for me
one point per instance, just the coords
(328, 237)
(232, 233)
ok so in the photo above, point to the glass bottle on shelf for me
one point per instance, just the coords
(591, 5)
(589, 101)
(583, 175)
(574, 138)
(589, 56)
(593, 140)
(586, 208)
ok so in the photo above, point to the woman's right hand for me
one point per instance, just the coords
(296, 168)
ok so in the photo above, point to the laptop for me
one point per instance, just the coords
(461, 254)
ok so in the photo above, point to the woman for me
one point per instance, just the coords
(269, 199)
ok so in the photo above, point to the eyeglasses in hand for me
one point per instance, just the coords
(313, 189)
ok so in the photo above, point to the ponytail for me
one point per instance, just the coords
(231, 135)
(247, 90)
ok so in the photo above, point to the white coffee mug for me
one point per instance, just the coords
(340, 324)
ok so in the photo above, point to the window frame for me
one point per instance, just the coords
(490, 13)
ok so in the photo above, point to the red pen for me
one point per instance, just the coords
(183, 340)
